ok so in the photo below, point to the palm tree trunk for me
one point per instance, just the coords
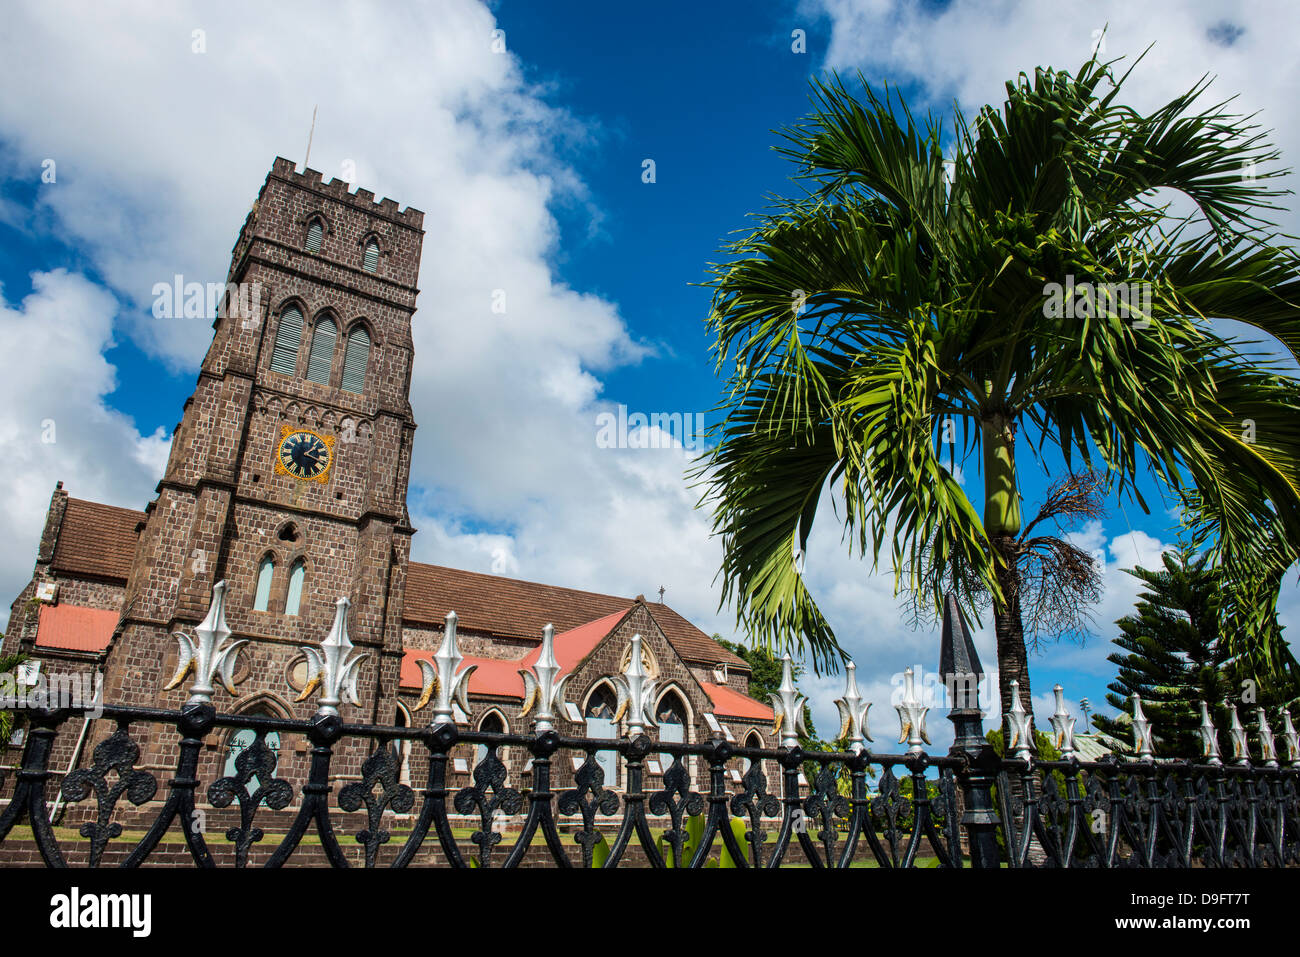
(1002, 523)
(1013, 658)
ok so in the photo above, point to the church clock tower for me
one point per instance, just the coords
(288, 471)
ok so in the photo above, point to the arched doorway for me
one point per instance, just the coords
(599, 715)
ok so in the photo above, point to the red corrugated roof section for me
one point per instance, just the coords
(75, 629)
(732, 704)
(497, 676)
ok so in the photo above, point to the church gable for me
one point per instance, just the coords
(660, 659)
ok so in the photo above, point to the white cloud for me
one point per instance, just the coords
(154, 178)
(54, 423)
(968, 51)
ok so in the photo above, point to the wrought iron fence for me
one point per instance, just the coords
(968, 807)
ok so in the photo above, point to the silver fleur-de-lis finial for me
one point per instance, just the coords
(1018, 726)
(1237, 735)
(1290, 740)
(787, 707)
(1142, 732)
(543, 688)
(911, 716)
(330, 667)
(636, 693)
(443, 683)
(1062, 724)
(853, 710)
(1209, 738)
(207, 653)
(1267, 746)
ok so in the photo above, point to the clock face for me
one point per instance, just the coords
(304, 455)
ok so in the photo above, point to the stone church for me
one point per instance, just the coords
(287, 479)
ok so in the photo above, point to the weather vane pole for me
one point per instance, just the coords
(310, 133)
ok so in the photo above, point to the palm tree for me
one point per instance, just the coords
(908, 292)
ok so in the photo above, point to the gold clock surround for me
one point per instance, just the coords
(326, 440)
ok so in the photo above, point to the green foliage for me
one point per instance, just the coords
(600, 851)
(907, 289)
(1044, 750)
(937, 813)
(1173, 655)
(694, 827)
(8, 720)
(765, 680)
(1043, 747)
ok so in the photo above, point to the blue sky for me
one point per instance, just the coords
(528, 164)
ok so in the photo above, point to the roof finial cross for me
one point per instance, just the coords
(661, 594)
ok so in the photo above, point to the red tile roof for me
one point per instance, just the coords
(497, 676)
(732, 704)
(96, 540)
(75, 629)
(518, 609)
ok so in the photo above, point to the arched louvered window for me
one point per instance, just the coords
(322, 352)
(355, 357)
(315, 235)
(297, 573)
(370, 262)
(288, 337)
(264, 572)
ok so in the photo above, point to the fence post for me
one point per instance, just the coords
(960, 670)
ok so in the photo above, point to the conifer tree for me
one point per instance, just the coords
(1173, 655)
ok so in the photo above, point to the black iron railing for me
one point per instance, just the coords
(864, 808)
(969, 807)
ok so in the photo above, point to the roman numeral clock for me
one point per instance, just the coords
(304, 454)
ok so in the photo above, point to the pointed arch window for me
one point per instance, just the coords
(355, 358)
(670, 715)
(262, 598)
(297, 575)
(288, 339)
(600, 723)
(493, 724)
(752, 741)
(315, 236)
(321, 359)
(370, 260)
